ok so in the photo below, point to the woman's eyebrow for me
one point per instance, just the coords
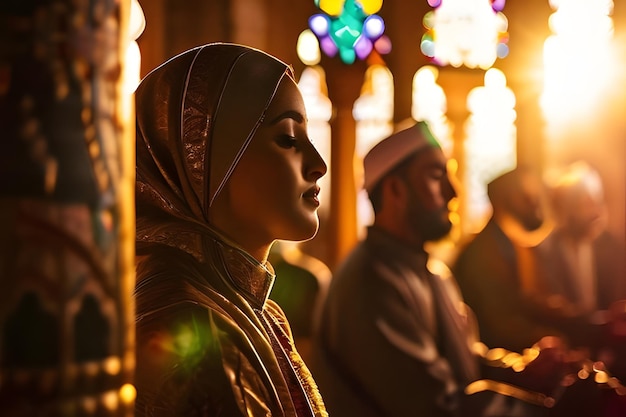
(289, 114)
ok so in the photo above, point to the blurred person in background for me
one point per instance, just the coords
(521, 272)
(587, 262)
(497, 269)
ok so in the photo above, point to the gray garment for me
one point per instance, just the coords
(608, 266)
(392, 339)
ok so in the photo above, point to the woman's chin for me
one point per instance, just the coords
(305, 231)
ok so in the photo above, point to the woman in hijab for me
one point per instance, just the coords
(224, 168)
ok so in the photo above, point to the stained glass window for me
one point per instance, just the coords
(351, 28)
(465, 32)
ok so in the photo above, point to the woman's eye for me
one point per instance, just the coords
(287, 141)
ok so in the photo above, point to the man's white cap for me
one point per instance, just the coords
(389, 152)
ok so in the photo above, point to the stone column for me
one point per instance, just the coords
(66, 210)
(344, 86)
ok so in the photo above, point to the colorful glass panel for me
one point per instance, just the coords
(350, 28)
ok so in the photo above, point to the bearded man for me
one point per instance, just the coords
(394, 337)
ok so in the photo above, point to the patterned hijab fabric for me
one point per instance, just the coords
(196, 115)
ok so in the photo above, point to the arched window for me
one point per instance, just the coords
(490, 145)
(577, 63)
(373, 113)
(430, 105)
(465, 32)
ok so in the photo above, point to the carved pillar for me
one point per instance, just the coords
(344, 87)
(66, 210)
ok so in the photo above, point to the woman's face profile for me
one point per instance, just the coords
(272, 193)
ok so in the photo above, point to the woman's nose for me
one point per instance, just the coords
(315, 165)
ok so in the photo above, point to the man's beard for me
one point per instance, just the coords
(429, 225)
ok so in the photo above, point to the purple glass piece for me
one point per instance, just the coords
(363, 47)
(319, 24)
(328, 46)
(498, 5)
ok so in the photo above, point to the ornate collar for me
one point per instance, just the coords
(253, 279)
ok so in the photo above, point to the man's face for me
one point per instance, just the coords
(429, 192)
(526, 202)
(583, 213)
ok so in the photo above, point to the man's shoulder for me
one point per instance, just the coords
(361, 257)
(471, 243)
(491, 234)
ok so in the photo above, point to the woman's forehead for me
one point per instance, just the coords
(287, 99)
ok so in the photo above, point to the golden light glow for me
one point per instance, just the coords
(480, 349)
(578, 62)
(495, 354)
(518, 366)
(110, 400)
(602, 377)
(112, 365)
(531, 354)
(132, 64)
(511, 359)
(132, 68)
(128, 393)
(137, 20)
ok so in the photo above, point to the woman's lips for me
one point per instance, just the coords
(312, 196)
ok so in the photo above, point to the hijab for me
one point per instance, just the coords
(196, 115)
